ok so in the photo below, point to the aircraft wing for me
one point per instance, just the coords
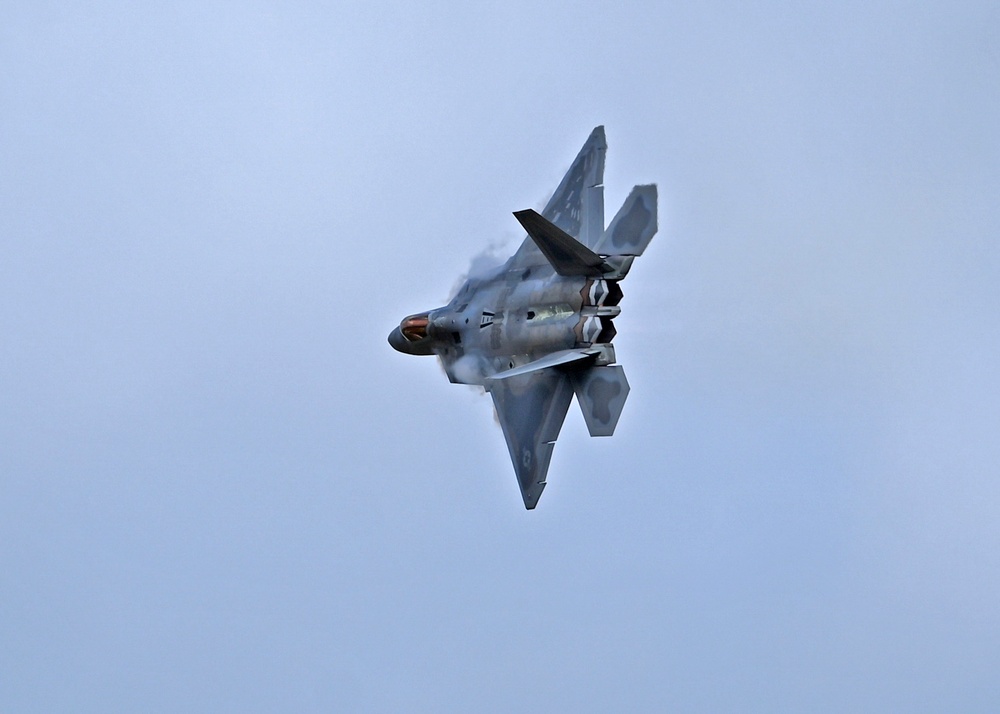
(577, 206)
(531, 409)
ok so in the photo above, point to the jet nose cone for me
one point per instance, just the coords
(397, 341)
(411, 337)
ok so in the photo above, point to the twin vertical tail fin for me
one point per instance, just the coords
(564, 252)
(631, 230)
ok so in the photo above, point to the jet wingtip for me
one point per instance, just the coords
(531, 499)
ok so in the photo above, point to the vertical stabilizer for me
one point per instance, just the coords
(567, 255)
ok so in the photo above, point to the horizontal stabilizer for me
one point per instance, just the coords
(550, 360)
(634, 225)
(566, 254)
(601, 393)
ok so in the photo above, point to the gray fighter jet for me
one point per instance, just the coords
(538, 329)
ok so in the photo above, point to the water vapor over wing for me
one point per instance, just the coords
(484, 263)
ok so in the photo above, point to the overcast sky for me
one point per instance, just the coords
(221, 490)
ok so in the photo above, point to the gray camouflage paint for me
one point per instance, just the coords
(534, 333)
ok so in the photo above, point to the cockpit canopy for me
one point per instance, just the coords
(414, 327)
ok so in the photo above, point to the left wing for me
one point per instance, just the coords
(531, 409)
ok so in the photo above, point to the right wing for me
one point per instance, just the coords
(577, 206)
(531, 409)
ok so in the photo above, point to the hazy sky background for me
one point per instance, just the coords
(221, 490)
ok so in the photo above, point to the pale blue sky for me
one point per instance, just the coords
(221, 490)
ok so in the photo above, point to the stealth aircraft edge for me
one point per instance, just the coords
(538, 329)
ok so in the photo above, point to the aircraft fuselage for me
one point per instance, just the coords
(510, 318)
(536, 332)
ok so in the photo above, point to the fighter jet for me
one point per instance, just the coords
(539, 328)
